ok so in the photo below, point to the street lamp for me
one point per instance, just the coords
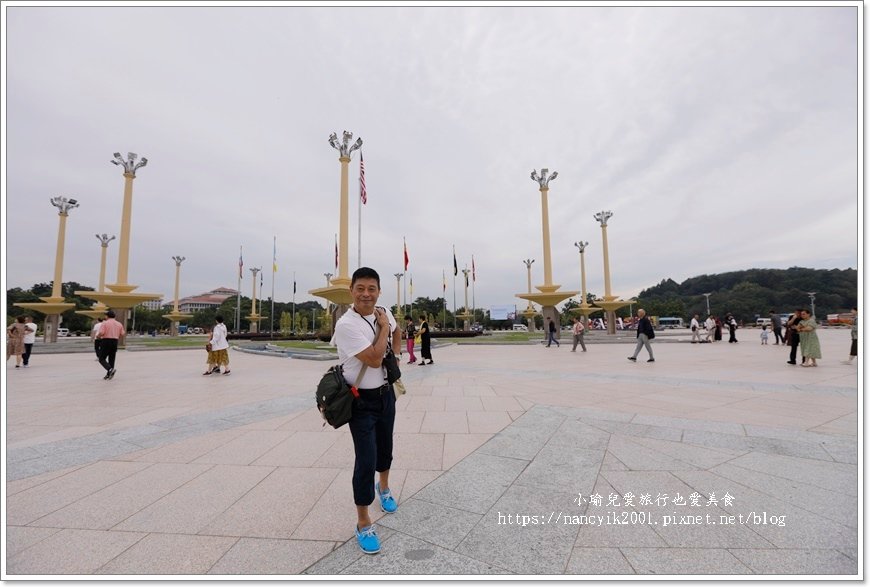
(812, 295)
(130, 165)
(543, 180)
(707, 295)
(328, 276)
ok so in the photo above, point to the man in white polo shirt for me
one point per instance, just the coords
(362, 335)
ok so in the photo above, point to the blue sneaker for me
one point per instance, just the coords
(388, 503)
(368, 541)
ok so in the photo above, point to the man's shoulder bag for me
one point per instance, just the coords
(335, 397)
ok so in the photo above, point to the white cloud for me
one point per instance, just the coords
(721, 137)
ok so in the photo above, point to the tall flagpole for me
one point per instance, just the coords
(359, 225)
(274, 269)
(444, 297)
(293, 326)
(239, 295)
(454, 287)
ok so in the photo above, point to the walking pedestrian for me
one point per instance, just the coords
(732, 328)
(29, 339)
(362, 335)
(15, 340)
(110, 334)
(809, 339)
(710, 325)
(776, 327)
(410, 335)
(219, 345)
(551, 332)
(696, 329)
(94, 332)
(764, 334)
(425, 342)
(645, 333)
(578, 330)
(853, 352)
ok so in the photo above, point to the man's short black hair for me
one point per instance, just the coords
(110, 314)
(219, 319)
(365, 273)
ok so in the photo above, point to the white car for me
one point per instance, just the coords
(63, 331)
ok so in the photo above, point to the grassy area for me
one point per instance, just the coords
(495, 337)
(179, 342)
(303, 344)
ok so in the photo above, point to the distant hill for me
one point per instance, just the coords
(753, 292)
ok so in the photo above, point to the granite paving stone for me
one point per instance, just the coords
(539, 432)
(629, 429)
(787, 561)
(474, 484)
(193, 506)
(71, 552)
(598, 561)
(246, 448)
(276, 506)
(561, 469)
(836, 506)
(548, 541)
(825, 475)
(20, 537)
(169, 554)
(263, 556)
(684, 561)
(637, 457)
(403, 554)
(520, 442)
(438, 524)
(795, 527)
(109, 506)
(31, 504)
(344, 555)
(757, 444)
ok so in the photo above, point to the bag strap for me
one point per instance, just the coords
(354, 389)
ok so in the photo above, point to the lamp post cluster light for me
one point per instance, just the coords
(548, 296)
(176, 316)
(53, 306)
(121, 297)
(337, 290)
(99, 309)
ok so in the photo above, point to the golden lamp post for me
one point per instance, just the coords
(254, 318)
(585, 309)
(530, 311)
(121, 297)
(549, 297)
(175, 316)
(53, 306)
(338, 292)
(610, 303)
(99, 309)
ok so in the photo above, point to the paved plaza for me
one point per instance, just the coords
(717, 459)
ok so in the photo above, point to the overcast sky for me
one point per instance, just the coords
(722, 138)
